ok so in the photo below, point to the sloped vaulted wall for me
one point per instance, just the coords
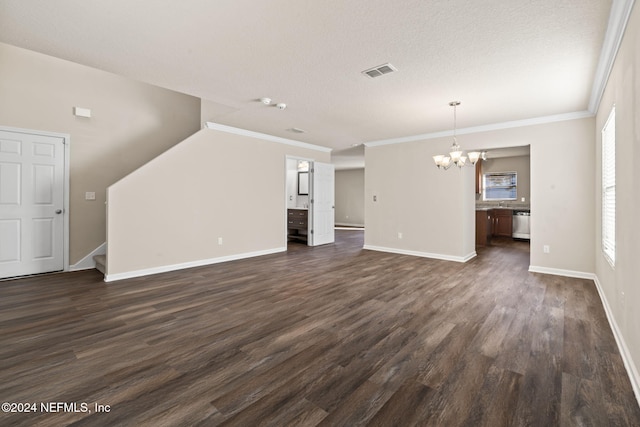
(170, 213)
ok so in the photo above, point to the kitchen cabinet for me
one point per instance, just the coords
(479, 177)
(493, 223)
(502, 222)
(483, 227)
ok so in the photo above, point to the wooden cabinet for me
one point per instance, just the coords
(479, 177)
(297, 223)
(492, 223)
(502, 222)
(483, 227)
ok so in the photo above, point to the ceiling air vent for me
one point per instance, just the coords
(380, 70)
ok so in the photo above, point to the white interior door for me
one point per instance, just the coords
(322, 204)
(31, 203)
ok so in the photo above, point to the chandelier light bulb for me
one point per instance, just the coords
(474, 156)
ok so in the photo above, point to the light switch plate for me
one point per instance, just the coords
(90, 195)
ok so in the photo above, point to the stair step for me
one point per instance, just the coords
(101, 263)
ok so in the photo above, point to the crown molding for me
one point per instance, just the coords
(618, 19)
(264, 136)
(486, 128)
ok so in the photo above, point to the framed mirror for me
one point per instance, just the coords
(303, 183)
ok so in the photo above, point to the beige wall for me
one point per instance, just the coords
(427, 206)
(131, 123)
(435, 209)
(350, 197)
(621, 285)
(214, 184)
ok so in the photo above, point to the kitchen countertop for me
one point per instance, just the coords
(511, 208)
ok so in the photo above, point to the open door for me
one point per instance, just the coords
(322, 204)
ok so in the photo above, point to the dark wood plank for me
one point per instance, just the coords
(452, 403)
(496, 400)
(436, 368)
(405, 407)
(331, 335)
(543, 377)
(582, 403)
(579, 352)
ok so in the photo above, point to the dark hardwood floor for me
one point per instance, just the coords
(332, 335)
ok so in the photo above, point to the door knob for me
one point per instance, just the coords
(58, 211)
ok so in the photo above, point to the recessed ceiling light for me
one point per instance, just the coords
(265, 101)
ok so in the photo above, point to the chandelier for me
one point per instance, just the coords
(456, 156)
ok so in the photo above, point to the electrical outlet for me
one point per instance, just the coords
(399, 235)
(375, 198)
(219, 240)
(546, 249)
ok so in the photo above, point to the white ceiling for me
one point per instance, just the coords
(506, 60)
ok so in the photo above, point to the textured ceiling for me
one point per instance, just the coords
(505, 60)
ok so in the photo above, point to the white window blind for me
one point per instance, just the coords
(500, 186)
(609, 188)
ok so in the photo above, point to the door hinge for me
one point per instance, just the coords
(311, 231)
(311, 200)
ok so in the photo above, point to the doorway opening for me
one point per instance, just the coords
(503, 198)
(297, 194)
(309, 201)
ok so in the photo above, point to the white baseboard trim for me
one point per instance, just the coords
(191, 264)
(87, 262)
(346, 224)
(561, 272)
(632, 370)
(421, 254)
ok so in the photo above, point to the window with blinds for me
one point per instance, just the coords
(500, 186)
(609, 188)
